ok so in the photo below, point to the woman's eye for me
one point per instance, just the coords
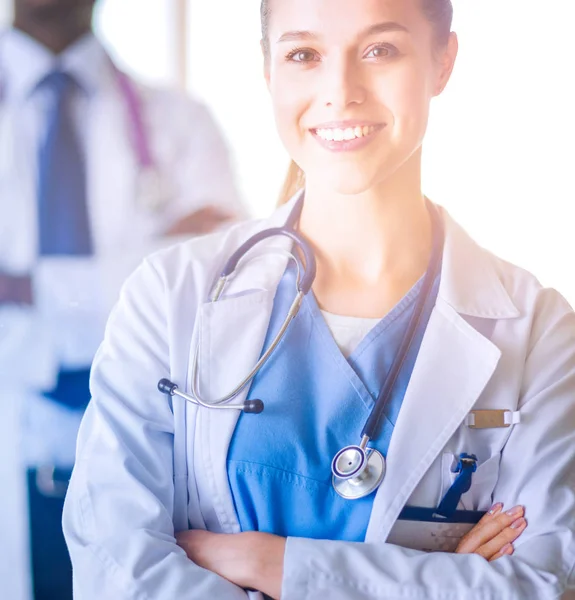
(302, 56)
(382, 52)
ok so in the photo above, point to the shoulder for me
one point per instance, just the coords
(480, 276)
(174, 104)
(200, 260)
(527, 292)
(185, 272)
(548, 319)
(181, 123)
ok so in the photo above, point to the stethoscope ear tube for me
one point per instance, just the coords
(254, 407)
(167, 387)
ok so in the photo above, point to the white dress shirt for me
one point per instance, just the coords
(74, 294)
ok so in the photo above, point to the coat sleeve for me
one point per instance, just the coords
(203, 167)
(537, 471)
(118, 516)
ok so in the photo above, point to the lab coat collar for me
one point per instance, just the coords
(470, 281)
(24, 62)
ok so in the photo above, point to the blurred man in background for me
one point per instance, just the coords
(96, 171)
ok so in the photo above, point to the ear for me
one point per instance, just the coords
(266, 64)
(447, 62)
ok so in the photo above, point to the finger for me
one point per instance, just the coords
(507, 550)
(488, 529)
(470, 541)
(507, 536)
(493, 511)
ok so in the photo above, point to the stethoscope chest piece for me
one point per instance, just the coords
(357, 471)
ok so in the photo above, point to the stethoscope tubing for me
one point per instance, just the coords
(250, 406)
(366, 474)
(135, 110)
(371, 428)
(304, 285)
(292, 313)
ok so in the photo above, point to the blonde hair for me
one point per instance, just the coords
(294, 182)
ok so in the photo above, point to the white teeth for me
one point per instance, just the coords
(348, 134)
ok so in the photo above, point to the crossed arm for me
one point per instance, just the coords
(18, 289)
(255, 560)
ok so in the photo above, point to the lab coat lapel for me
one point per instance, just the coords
(454, 366)
(231, 335)
(455, 363)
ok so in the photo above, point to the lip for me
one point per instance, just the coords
(346, 124)
(347, 145)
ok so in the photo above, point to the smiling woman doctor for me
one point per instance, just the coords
(445, 370)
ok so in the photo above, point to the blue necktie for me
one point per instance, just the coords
(64, 227)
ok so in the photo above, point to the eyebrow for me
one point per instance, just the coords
(293, 36)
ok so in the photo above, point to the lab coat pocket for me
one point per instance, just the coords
(231, 333)
(420, 529)
(480, 495)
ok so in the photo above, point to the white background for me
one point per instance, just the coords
(500, 150)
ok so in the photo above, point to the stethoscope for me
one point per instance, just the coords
(153, 192)
(357, 470)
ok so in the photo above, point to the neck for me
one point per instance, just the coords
(377, 242)
(56, 30)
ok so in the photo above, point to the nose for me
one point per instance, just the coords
(342, 83)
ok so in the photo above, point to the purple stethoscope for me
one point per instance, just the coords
(153, 189)
(357, 470)
(153, 192)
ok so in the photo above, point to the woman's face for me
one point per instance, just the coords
(351, 83)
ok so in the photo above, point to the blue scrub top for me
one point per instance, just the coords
(316, 402)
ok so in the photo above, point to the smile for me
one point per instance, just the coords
(347, 134)
(346, 138)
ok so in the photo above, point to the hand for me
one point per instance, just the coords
(204, 220)
(494, 535)
(15, 290)
(249, 560)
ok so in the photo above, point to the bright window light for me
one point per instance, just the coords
(139, 35)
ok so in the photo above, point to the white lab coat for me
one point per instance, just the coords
(73, 296)
(148, 466)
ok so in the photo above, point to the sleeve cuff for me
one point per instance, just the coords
(298, 564)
